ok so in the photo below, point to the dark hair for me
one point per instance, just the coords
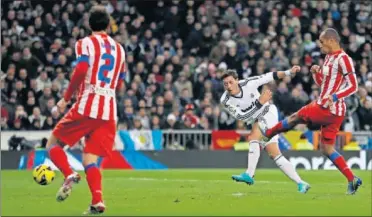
(99, 19)
(331, 33)
(229, 72)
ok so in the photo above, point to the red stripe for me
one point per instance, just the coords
(93, 80)
(97, 57)
(30, 160)
(347, 64)
(79, 48)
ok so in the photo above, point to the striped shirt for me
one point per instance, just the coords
(337, 79)
(106, 59)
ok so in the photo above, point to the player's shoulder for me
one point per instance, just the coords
(344, 58)
(117, 44)
(244, 82)
(224, 98)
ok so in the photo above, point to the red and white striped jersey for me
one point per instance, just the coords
(337, 79)
(106, 59)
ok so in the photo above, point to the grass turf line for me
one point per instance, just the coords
(191, 192)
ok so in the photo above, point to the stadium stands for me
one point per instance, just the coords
(175, 53)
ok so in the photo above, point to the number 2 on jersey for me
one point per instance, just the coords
(106, 67)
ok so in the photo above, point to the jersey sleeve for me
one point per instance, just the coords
(348, 71)
(260, 80)
(82, 50)
(318, 78)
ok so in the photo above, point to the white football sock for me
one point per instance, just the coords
(253, 156)
(287, 168)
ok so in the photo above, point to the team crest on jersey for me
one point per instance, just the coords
(231, 109)
(252, 95)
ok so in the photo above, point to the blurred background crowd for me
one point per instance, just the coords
(176, 52)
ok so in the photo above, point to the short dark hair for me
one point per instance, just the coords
(99, 19)
(229, 72)
(331, 33)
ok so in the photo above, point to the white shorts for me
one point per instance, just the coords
(270, 119)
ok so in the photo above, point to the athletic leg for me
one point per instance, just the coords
(58, 156)
(328, 138)
(94, 179)
(69, 130)
(304, 115)
(99, 143)
(284, 125)
(253, 157)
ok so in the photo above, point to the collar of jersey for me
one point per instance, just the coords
(336, 52)
(241, 90)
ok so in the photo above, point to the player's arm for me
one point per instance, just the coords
(271, 76)
(80, 70)
(348, 72)
(121, 76)
(317, 76)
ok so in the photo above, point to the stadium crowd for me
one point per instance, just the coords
(176, 52)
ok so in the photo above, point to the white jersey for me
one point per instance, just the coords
(245, 106)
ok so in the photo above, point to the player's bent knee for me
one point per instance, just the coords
(273, 150)
(326, 146)
(53, 141)
(89, 158)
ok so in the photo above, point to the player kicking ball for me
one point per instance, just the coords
(337, 81)
(93, 116)
(243, 101)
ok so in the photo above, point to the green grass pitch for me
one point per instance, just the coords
(191, 192)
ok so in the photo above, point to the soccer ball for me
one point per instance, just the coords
(43, 174)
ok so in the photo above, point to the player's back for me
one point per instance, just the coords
(106, 60)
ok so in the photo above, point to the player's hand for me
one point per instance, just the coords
(295, 69)
(265, 97)
(314, 69)
(62, 105)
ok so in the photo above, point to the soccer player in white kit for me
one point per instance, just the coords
(242, 100)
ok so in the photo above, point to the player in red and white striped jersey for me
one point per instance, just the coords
(337, 81)
(95, 95)
(100, 69)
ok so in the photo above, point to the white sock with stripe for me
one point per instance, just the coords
(287, 168)
(253, 156)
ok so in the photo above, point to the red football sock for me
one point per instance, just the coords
(59, 158)
(339, 161)
(94, 179)
(280, 127)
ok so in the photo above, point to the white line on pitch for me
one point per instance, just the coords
(214, 181)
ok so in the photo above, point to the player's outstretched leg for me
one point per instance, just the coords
(253, 156)
(59, 158)
(282, 126)
(286, 167)
(94, 179)
(338, 160)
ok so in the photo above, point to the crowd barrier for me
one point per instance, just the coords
(206, 139)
